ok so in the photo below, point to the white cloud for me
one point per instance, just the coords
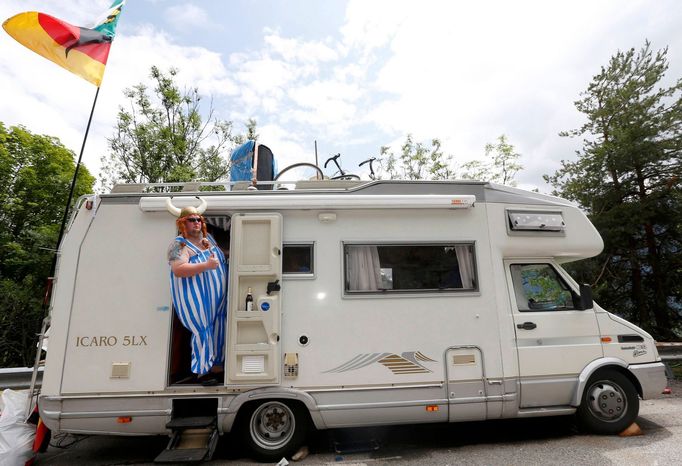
(469, 72)
(299, 50)
(187, 16)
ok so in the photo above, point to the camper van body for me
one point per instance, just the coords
(340, 355)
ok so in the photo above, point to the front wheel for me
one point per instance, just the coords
(274, 429)
(609, 404)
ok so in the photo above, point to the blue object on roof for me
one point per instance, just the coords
(242, 161)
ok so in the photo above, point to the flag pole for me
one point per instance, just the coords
(73, 186)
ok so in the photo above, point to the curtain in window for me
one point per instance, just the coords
(364, 268)
(466, 265)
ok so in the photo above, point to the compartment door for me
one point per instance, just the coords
(466, 384)
(253, 348)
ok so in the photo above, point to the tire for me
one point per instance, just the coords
(348, 176)
(274, 429)
(609, 404)
(300, 171)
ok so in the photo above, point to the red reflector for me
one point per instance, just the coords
(432, 408)
(124, 419)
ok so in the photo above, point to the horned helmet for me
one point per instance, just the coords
(186, 211)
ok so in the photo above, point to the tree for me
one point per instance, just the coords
(251, 133)
(419, 162)
(166, 139)
(500, 167)
(416, 162)
(627, 177)
(35, 176)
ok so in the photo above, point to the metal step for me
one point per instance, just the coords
(193, 440)
(191, 422)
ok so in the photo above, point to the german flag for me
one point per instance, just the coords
(83, 51)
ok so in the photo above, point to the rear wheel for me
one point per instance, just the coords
(609, 404)
(274, 429)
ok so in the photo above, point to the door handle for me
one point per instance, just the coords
(526, 326)
(273, 286)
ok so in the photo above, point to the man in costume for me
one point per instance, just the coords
(198, 279)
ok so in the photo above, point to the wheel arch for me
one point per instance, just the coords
(242, 400)
(600, 364)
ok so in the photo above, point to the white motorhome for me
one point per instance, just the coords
(376, 303)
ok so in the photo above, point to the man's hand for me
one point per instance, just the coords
(212, 262)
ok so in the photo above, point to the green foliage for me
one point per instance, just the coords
(500, 166)
(251, 134)
(416, 162)
(35, 176)
(627, 178)
(164, 138)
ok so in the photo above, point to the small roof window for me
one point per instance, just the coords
(536, 221)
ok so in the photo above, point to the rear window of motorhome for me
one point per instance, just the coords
(297, 259)
(535, 221)
(538, 287)
(387, 268)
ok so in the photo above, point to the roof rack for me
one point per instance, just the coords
(221, 186)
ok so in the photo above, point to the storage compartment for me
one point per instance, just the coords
(253, 341)
(250, 332)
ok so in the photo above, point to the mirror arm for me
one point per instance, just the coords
(586, 301)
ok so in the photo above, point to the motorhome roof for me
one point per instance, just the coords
(483, 191)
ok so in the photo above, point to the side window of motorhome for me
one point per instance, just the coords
(387, 268)
(297, 259)
(538, 287)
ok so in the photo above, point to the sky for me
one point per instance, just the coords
(351, 75)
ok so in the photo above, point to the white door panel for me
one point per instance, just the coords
(253, 344)
(554, 340)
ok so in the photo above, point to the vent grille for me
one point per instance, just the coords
(120, 370)
(290, 365)
(253, 364)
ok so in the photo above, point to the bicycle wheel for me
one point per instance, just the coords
(300, 171)
(347, 176)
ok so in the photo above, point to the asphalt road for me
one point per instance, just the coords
(544, 441)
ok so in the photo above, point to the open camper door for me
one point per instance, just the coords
(253, 345)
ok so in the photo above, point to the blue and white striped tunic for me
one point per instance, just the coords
(200, 302)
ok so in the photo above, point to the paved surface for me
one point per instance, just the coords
(541, 441)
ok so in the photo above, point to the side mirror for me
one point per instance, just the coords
(586, 297)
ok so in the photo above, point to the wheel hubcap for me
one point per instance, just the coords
(272, 425)
(607, 401)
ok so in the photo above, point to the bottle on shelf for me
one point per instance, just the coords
(249, 300)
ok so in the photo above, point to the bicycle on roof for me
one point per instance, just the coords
(341, 174)
(305, 171)
(372, 176)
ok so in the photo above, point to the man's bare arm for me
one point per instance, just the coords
(178, 258)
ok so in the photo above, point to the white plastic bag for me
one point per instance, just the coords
(16, 437)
